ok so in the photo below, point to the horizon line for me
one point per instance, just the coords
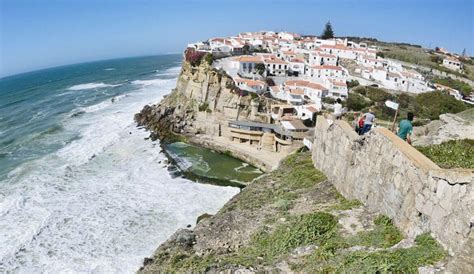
(84, 62)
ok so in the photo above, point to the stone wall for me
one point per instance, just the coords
(392, 177)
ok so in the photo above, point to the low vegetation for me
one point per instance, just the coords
(384, 235)
(310, 241)
(204, 107)
(425, 106)
(415, 54)
(401, 260)
(451, 154)
(462, 87)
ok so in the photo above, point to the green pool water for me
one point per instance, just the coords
(209, 165)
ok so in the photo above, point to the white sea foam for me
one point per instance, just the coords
(91, 86)
(103, 202)
(170, 71)
(109, 69)
(152, 82)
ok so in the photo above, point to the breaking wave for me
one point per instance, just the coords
(92, 86)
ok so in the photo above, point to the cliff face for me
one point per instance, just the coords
(202, 102)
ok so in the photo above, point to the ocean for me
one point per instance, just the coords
(81, 190)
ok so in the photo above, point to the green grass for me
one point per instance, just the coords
(276, 239)
(266, 247)
(384, 234)
(334, 258)
(426, 251)
(451, 154)
(295, 173)
(345, 204)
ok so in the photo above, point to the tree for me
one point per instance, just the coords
(464, 53)
(328, 33)
(260, 68)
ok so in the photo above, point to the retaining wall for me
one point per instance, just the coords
(392, 177)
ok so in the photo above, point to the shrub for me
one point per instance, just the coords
(356, 102)
(209, 58)
(378, 94)
(328, 100)
(432, 104)
(193, 57)
(380, 54)
(353, 83)
(204, 107)
(436, 59)
(464, 88)
(260, 68)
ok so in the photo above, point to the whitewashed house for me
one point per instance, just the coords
(293, 97)
(314, 91)
(368, 61)
(296, 66)
(452, 63)
(321, 58)
(275, 66)
(305, 112)
(337, 89)
(247, 64)
(256, 86)
(318, 71)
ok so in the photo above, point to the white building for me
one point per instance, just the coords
(276, 66)
(256, 86)
(314, 91)
(318, 71)
(247, 64)
(296, 66)
(452, 63)
(322, 58)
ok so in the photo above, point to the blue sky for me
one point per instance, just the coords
(36, 34)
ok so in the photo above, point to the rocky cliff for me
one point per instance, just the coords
(202, 102)
(448, 127)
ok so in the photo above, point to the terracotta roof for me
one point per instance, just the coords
(250, 82)
(297, 91)
(297, 60)
(275, 88)
(250, 58)
(338, 83)
(274, 61)
(305, 83)
(334, 47)
(312, 109)
(327, 67)
(452, 59)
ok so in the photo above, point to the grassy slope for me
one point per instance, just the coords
(301, 210)
(418, 56)
(451, 154)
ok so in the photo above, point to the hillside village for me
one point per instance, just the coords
(302, 75)
(259, 97)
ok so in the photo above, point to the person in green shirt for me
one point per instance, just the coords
(405, 128)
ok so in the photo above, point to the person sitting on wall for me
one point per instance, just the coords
(369, 119)
(338, 109)
(405, 128)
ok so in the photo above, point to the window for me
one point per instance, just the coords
(279, 66)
